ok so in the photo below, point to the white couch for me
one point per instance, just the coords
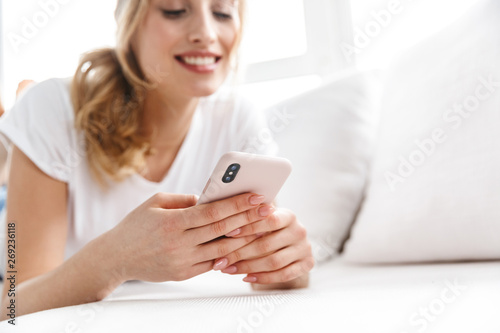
(437, 234)
(342, 298)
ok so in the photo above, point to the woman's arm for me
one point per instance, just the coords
(167, 239)
(37, 204)
(4, 149)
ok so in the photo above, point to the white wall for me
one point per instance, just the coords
(412, 22)
(44, 38)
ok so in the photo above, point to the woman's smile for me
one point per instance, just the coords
(191, 41)
(202, 62)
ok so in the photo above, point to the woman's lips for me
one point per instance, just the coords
(199, 64)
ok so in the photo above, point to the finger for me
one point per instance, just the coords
(201, 268)
(265, 245)
(193, 271)
(230, 224)
(173, 201)
(288, 273)
(211, 212)
(279, 220)
(222, 247)
(272, 262)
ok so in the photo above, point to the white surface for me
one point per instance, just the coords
(391, 33)
(342, 298)
(445, 205)
(284, 40)
(45, 38)
(326, 133)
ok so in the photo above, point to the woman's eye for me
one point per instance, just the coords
(222, 16)
(173, 14)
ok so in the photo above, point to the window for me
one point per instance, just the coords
(291, 45)
(272, 35)
(295, 37)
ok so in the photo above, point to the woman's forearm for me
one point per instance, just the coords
(88, 276)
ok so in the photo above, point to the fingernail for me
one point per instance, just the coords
(266, 210)
(234, 233)
(220, 264)
(257, 199)
(250, 279)
(230, 270)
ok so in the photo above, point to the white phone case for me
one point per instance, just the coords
(263, 175)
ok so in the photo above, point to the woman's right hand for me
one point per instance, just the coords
(168, 238)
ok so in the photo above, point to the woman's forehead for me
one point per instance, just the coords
(121, 4)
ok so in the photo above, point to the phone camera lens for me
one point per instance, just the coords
(231, 172)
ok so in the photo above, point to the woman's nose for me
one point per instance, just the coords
(203, 30)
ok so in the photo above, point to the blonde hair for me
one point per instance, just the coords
(2, 110)
(107, 93)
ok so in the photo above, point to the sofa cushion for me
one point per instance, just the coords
(326, 134)
(434, 192)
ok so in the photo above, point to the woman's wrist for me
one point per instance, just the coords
(109, 268)
(89, 275)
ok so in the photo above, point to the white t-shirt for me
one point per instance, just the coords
(41, 124)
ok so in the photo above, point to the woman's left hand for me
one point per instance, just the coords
(281, 255)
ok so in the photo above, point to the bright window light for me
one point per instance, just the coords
(408, 23)
(45, 38)
(275, 30)
(275, 91)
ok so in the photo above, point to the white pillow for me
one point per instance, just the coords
(434, 191)
(326, 133)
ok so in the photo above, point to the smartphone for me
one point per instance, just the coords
(238, 173)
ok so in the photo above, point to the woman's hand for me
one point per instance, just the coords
(167, 238)
(281, 255)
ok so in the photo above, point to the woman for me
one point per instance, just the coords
(4, 147)
(88, 194)
(2, 111)
(3, 162)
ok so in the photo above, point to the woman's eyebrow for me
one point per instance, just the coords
(172, 2)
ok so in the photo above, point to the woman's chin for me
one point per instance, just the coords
(204, 90)
(200, 88)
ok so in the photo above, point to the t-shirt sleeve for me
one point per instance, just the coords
(251, 130)
(40, 124)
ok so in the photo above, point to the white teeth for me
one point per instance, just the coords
(199, 61)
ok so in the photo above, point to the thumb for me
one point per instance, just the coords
(173, 201)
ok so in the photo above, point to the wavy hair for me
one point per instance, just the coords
(2, 111)
(108, 91)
